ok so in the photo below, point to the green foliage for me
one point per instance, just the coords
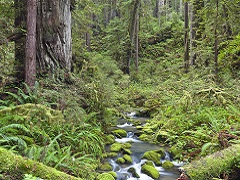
(14, 136)
(229, 54)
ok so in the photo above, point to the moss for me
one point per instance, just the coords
(116, 147)
(167, 165)
(120, 133)
(31, 111)
(161, 152)
(150, 171)
(175, 151)
(127, 158)
(114, 174)
(112, 154)
(127, 151)
(105, 176)
(137, 122)
(110, 139)
(127, 145)
(214, 164)
(144, 137)
(152, 156)
(132, 170)
(11, 162)
(120, 160)
(148, 131)
(105, 167)
(150, 163)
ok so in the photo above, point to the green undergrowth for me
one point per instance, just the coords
(44, 135)
(195, 114)
(16, 167)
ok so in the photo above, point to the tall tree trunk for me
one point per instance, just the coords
(216, 39)
(30, 61)
(227, 27)
(196, 28)
(136, 42)
(54, 35)
(186, 36)
(20, 43)
(156, 9)
(132, 32)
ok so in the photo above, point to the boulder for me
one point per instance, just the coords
(150, 171)
(127, 145)
(120, 133)
(105, 167)
(105, 176)
(116, 147)
(167, 165)
(120, 160)
(127, 158)
(132, 170)
(127, 151)
(109, 139)
(153, 156)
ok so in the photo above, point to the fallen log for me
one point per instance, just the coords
(212, 165)
(10, 162)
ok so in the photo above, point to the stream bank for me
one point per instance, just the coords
(129, 161)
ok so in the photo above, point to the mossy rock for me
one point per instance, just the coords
(120, 160)
(148, 131)
(152, 156)
(12, 162)
(175, 151)
(161, 151)
(112, 154)
(110, 139)
(150, 171)
(120, 133)
(114, 174)
(137, 122)
(139, 127)
(150, 163)
(127, 145)
(105, 176)
(144, 137)
(132, 170)
(127, 158)
(105, 167)
(116, 147)
(167, 165)
(127, 151)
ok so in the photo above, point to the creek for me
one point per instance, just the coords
(138, 148)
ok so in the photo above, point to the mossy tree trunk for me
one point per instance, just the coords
(213, 165)
(15, 164)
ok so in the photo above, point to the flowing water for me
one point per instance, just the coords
(138, 148)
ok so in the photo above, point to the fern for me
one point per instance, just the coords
(208, 146)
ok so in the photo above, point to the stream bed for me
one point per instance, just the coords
(138, 148)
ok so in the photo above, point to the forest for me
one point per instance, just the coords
(120, 89)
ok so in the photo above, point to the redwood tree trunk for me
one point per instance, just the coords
(186, 36)
(20, 43)
(54, 35)
(30, 61)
